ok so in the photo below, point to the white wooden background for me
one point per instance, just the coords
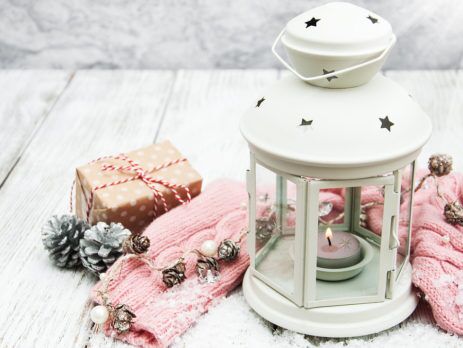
(53, 121)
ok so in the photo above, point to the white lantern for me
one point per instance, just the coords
(322, 160)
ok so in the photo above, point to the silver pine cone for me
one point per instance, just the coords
(440, 164)
(61, 236)
(102, 246)
(453, 213)
(122, 319)
(228, 250)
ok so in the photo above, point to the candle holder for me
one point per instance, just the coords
(326, 271)
(340, 161)
(343, 273)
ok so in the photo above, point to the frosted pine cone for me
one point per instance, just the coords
(207, 269)
(265, 227)
(440, 164)
(136, 244)
(228, 250)
(122, 319)
(174, 275)
(61, 236)
(454, 213)
(206, 263)
(102, 246)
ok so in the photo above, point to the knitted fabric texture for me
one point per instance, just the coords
(436, 247)
(437, 253)
(164, 314)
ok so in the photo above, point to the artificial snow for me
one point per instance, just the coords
(232, 323)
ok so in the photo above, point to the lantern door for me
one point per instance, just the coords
(405, 185)
(405, 218)
(349, 253)
(277, 221)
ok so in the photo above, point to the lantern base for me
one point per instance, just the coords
(336, 321)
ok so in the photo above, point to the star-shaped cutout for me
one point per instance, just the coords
(373, 19)
(260, 101)
(312, 22)
(386, 123)
(325, 72)
(305, 122)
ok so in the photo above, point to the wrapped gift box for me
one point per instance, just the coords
(109, 189)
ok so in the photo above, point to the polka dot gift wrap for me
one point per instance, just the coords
(136, 187)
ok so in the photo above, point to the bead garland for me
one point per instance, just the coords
(208, 256)
(440, 165)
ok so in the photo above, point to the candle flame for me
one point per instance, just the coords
(328, 233)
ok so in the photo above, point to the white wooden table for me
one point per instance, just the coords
(53, 121)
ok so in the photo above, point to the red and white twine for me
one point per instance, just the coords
(145, 176)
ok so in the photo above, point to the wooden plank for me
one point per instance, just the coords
(440, 94)
(436, 92)
(202, 118)
(101, 112)
(26, 97)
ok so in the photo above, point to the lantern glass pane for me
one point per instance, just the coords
(332, 206)
(350, 234)
(275, 229)
(370, 211)
(406, 199)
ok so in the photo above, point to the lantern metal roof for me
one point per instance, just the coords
(338, 28)
(315, 131)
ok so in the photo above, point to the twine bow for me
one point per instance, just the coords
(139, 173)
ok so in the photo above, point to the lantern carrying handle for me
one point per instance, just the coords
(334, 73)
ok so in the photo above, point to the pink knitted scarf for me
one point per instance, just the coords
(164, 314)
(437, 253)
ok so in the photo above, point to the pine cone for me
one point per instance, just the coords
(440, 164)
(61, 236)
(206, 263)
(228, 250)
(122, 319)
(174, 275)
(265, 226)
(102, 246)
(136, 244)
(454, 213)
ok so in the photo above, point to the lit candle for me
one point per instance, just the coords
(329, 235)
(337, 250)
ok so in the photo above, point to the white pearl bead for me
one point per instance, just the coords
(102, 276)
(99, 314)
(208, 248)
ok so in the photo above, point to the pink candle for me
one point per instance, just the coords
(337, 250)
